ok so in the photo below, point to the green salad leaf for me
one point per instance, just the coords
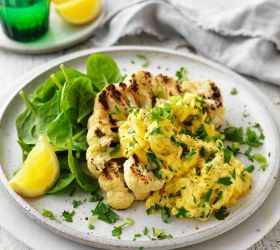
(102, 69)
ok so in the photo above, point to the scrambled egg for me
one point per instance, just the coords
(152, 138)
(176, 143)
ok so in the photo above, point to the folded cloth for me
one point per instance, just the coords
(244, 35)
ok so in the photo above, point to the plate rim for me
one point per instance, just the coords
(177, 242)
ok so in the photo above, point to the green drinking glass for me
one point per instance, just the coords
(24, 20)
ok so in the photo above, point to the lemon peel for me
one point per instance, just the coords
(39, 172)
(79, 12)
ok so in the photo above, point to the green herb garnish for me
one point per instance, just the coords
(68, 216)
(225, 181)
(117, 231)
(76, 203)
(115, 150)
(181, 74)
(146, 62)
(222, 213)
(234, 134)
(104, 213)
(207, 196)
(47, 213)
(156, 131)
(233, 91)
(249, 169)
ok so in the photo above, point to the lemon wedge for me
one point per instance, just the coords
(79, 12)
(39, 172)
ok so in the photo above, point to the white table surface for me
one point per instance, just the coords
(14, 65)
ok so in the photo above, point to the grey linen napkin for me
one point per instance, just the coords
(243, 35)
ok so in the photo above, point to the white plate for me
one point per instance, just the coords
(185, 232)
(60, 35)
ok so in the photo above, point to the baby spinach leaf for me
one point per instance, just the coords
(26, 122)
(102, 69)
(26, 127)
(84, 181)
(46, 91)
(25, 149)
(47, 113)
(65, 179)
(60, 130)
(77, 99)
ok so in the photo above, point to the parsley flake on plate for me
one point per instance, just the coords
(68, 216)
(117, 231)
(76, 203)
(47, 213)
(181, 74)
(104, 213)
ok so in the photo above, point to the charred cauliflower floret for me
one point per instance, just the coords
(100, 153)
(212, 95)
(141, 181)
(111, 180)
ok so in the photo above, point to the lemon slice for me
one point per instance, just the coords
(79, 11)
(39, 172)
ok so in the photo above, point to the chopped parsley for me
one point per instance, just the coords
(233, 174)
(161, 113)
(174, 141)
(136, 236)
(249, 169)
(261, 159)
(207, 196)
(225, 181)
(234, 134)
(248, 154)
(115, 150)
(76, 203)
(159, 235)
(208, 168)
(202, 152)
(156, 131)
(165, 214)
(211, 156)
(194, 199)
(47, 213)
(181, 74)
(90, 226)
(227, 155)
(117, 231)
(233, 91)
(146, 62)
(234, 148)
(95, 197)
(153, 162)
(118, 109)
(68, 216)
(222, 213)
(182, 213)
(145, 231)
(252, 138)
(104, 213)
(219, 196)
